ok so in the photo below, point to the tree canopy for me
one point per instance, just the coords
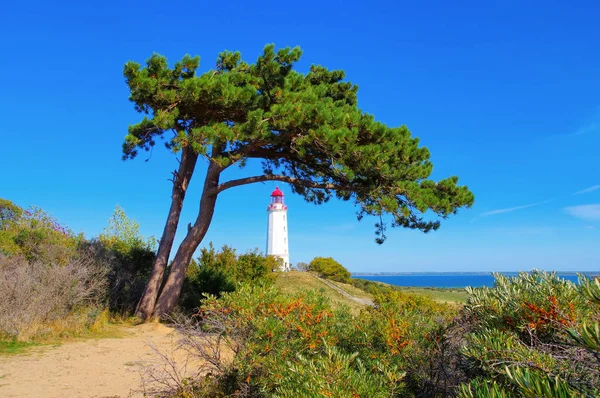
(306, 128)
(328, 268)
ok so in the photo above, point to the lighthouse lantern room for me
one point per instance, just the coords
(277, 234)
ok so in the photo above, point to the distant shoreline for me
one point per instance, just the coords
(356, 274)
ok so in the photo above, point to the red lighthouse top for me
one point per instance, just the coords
(277, 200)
(277, 192)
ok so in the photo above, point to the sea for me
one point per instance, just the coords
(452, 280)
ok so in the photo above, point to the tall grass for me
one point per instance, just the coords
(50, 300)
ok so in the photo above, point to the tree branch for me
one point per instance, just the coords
(273, 177)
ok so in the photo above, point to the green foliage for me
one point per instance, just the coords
(306, 128)
(533, 383)
(482, 388)
(10, 347)
(10, 213)
(221, 271)
(372, 287)
(127, 255)
(35, 235)
(336, 374)
(328, 268)
(535, 335)
(587, 335)
(590, 288)
(284, 346)
(123, 234)
(528, 383)
(294, 282)
(537, 301)
(8, 246)
(54, 283)
(297, 345)
(443, 295)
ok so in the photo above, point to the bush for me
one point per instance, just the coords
(282, 346)
(407, 332)
(534, 334)
(297, 345)
(125, 257)
(10, 213)
(126, 273)
(41, 299)
(221, 271)
(35, 235)
(328, 268)
(372, 287)
(128, 258)
(53, 282)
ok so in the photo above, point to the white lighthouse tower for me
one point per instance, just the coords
(277, 234)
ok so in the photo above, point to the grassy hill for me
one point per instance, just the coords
(295, 281)
(442, 295)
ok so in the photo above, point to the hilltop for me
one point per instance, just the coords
(354, 297)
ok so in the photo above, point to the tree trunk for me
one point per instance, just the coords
(172, 289)
(181, 180)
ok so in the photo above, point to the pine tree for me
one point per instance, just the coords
(306, 128)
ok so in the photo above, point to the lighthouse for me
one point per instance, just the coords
(277, 234)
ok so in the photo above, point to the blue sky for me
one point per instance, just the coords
(505, 95)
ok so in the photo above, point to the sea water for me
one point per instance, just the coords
(450, 280)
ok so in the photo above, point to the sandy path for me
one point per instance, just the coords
(91, 368)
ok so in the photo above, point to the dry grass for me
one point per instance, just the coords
(296, 281)
(41, 301)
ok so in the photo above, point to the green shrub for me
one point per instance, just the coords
(122, 235)
(406, 331)
(328, 268)
(297, 345)
(372, 287)
(535, 335)
(10, 213)
(201, 281)
(128, 258)
(221, 271)
(53, 282)
(284, 346)
(35, 235)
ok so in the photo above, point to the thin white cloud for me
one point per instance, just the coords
(509, 209)
(589, 227)
(585, 212)
(590, 189)
(590, 128)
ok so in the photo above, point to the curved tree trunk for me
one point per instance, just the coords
(181, 180)
(172, 289)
